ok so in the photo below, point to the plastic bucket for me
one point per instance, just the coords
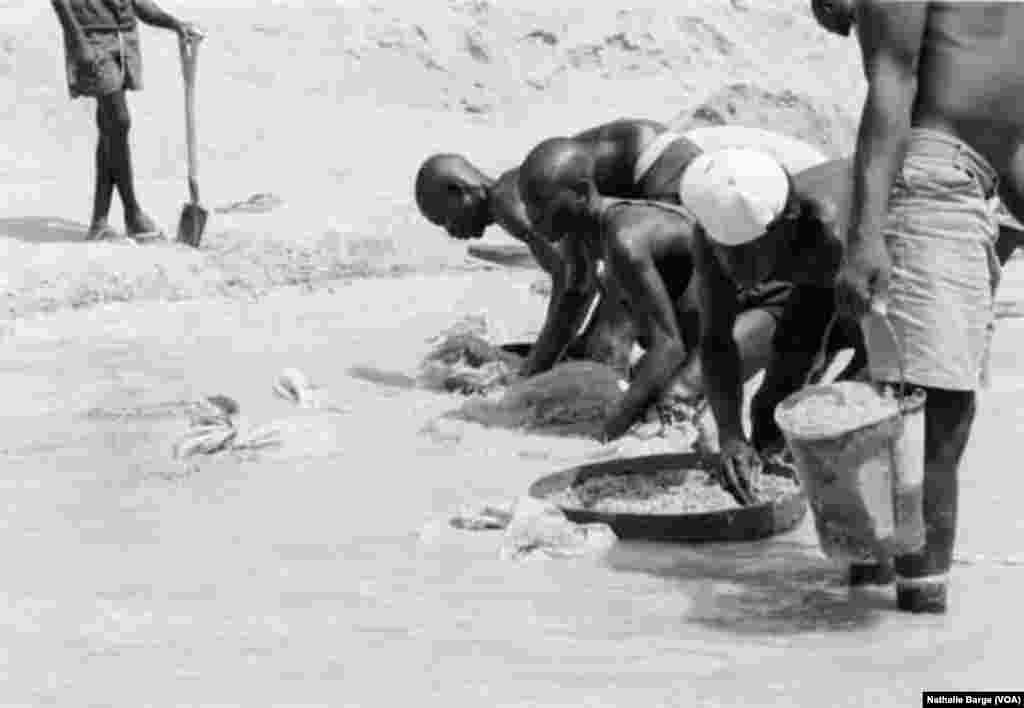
(859, 451)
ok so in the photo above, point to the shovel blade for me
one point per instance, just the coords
(192, 224)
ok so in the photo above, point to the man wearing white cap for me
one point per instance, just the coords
(758, 224)
(647, 248)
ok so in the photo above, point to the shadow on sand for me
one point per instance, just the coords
(490, 413)
(486, 412)
(43, 229)
(771, 587)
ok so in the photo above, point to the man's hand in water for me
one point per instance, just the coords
(739, 469)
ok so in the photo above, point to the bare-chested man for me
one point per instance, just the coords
(104, 60)
(647, 247)
(632, 158)
(758, 223)
(940, 134)
(837, 16)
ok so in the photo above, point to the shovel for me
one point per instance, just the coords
(193, 216)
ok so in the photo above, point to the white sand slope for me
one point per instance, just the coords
(331, 108)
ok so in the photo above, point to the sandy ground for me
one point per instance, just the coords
(323, 573)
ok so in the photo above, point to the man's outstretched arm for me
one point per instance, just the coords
(152, 14)
(739, 463)
(719, 355)
(570, 296)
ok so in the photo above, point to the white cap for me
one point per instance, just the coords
(734, 193)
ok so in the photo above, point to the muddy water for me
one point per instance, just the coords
(322, 574)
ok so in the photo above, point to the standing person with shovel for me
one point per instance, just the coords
(104, 61)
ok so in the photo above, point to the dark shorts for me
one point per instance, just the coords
(772, 297)
(116, 65)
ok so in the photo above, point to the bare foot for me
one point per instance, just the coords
(102, 231)
(141, 227)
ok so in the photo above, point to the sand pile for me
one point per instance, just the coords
(820, 122)
(839, 409)
(465, 360)
(570, 393)
(572, 398)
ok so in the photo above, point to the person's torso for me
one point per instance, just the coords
(812, 258)
(667, 233)
(970, 77)
(816, 247)
(101, 15)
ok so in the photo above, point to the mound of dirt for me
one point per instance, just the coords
(572, 392)
(573, 398)
(463, 360)
(820, 123)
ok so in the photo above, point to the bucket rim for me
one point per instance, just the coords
(907, 404)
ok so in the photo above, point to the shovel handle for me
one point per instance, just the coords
(189, 55)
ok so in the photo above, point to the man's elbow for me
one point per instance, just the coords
(891, 93)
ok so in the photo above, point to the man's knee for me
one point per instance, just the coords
(954, 406)
(948, 419)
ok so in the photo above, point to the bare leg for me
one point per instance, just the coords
(921, 585)
(103, 190)
(753, 333)
(116, 125)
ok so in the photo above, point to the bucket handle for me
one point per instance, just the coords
(879, 309)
